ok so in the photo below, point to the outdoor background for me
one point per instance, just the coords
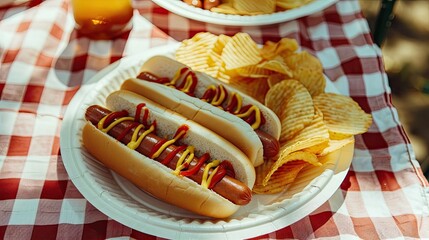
(406, 59)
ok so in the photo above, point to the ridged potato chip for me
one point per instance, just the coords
(275, 78)
(315, 130)
(253, 71)
(222, 40)
(255, 6)
(300, 155)
(284, 47)
(313, 138)
(276, 65)
(342, 114)
(289, 4)
(338, 136)
(240, 51)
(193, 52)
(314, 81)
(334, 145)
(225, 8)
(293, 104)
(254, 87)
(279, 180)
(303, 59)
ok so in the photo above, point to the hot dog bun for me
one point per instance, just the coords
(223, 123)
(155, 178)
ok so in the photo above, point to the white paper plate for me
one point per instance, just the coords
(122, 201)
(185, 10)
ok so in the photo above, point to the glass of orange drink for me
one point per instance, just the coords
(102, 19)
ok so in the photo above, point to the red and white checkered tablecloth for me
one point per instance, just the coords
(43, 61)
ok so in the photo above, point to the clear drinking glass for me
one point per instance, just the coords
(102, 19)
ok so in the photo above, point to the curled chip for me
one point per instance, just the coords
(284, 47)
(293, 104)
(276, 65)
(300, 155)
(334, 145)
(279, 180)
(240, 51)
(315, 134)
(342, 115)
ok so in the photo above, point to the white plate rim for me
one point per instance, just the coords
(271, 219)
(180, 8)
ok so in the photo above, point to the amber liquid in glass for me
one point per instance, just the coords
(102, 19)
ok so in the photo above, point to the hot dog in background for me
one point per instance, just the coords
(168, 156)
(240, 119)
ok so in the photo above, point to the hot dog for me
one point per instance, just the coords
(159, 172)
(217, 106)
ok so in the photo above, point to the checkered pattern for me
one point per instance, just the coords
(43, 62)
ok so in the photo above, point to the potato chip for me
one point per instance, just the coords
(193, 52)
(275, 78)
(298, 145)
(225, 8)
(255, 6)
(300, 155)
(276, 65)
(278, 182)
(338, 136)
(254, 87)
(213, 50)
(253, 71)
(318, 148)
(215, 64)
(223, 75)
(303, 60)
(334, 145)
(314, 138)
(293, 104)
(284, 47)
(315, 130)
(289, 4)
(314, 81)
(240, 51)
(222, 40)
(342, 115)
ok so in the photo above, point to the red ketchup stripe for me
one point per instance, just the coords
(111, 117)
(200, 163)
(173, 153)
(138, 112)
(126, 130)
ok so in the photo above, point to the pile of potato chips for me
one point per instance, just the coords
(256, 7)
(314, 123)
